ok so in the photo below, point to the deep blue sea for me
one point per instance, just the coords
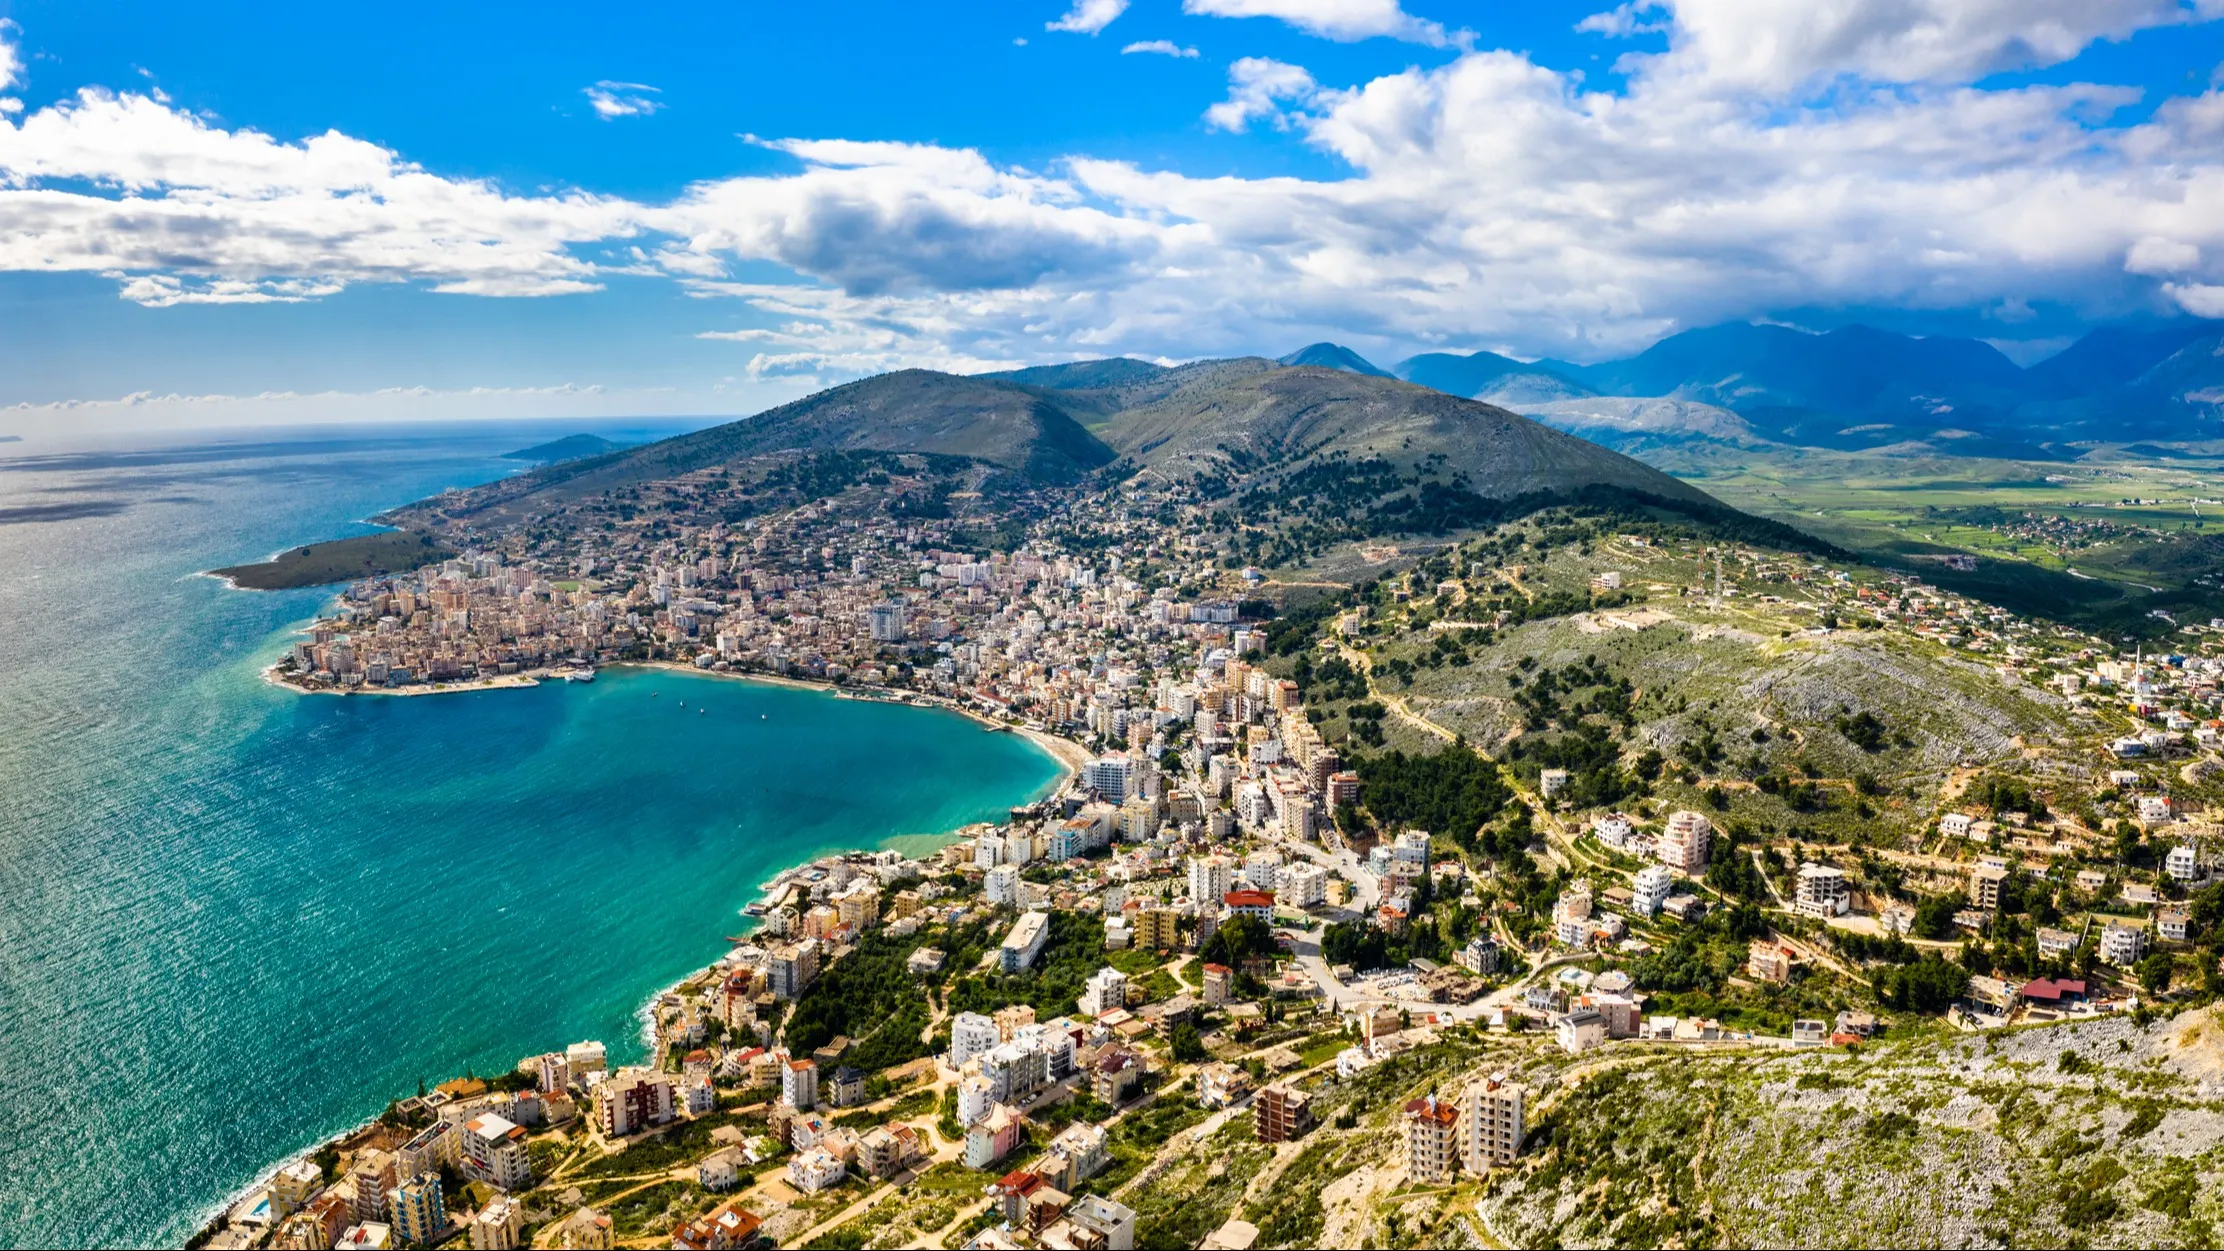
(235, 920)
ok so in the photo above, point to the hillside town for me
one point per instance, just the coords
(1272, 884)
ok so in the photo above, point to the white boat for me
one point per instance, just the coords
(579, 675)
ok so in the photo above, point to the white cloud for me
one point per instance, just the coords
(1087, 17)
(11, 57)
(2154, 256)
(1258, 87)
(1769, 46)
(1625, 20)
(613, 100)
(1162, 47)
(122, 184)
(1488, 201)
(1343, 20)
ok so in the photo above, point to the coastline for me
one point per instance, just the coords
(1067, 754)
(1071, 756)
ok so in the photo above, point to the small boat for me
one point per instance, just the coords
(702, 712)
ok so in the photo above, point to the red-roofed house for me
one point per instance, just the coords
(1250, 903)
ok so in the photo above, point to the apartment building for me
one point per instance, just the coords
(1491, 1123)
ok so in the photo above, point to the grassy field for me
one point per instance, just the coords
(2098, 542)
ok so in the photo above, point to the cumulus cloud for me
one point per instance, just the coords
(1162, 47)
(613, 100)
(1087, 17)
(1768, 46)
(1344, 20)
(123, 184)
(1258, 87)
(1488, 201)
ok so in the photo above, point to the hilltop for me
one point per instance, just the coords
(1339, 452)
(570, 447)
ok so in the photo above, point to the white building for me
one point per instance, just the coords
(1551, 782)
(1106, 990)
(1684, 843)
(971, 1034)
(816, 1170)
(1260, 869)
(1210, 878)
(799, 1085)
(1955, 824)
(1822, 892)
(1001, 886)
(1571, 917)
(498, 1225)
(1650, 888)
(1302, 884)
(2122, 945)
(1112, 777)
(492, 1150)
(2183, 863)
(1025, 942)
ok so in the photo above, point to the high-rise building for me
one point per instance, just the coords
(885, 622)
(1431, 1140)
(632, 1101)
(1280, 1113)
(419, 1217)
(492, 1149)
(1492, 1124)
(1112, 777)
(1210, 879)
(1685, 842)
(799, 1085)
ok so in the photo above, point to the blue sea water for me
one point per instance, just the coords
(235, 920)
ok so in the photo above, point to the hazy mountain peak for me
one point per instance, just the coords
(1335, 356)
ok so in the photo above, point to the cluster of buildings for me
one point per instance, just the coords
(1475, 1133)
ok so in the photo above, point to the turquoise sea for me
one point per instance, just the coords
(235, 920)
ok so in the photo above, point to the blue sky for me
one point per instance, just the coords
(256, 212)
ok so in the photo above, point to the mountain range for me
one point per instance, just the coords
(1860, 387)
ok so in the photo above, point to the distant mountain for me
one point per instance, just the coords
(1863, 388)
(2111, 356)
(1082, 375)
(1489, 376)
(1633, 424)
(570, 447)
(1853, 372)
(1334, 356)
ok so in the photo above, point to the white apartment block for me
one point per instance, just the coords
(1302, 884)
(2122, 945)
(1106, 990)
(1210, 878)
(971, 1034)
(1650, 888)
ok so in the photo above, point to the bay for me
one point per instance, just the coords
(235, 920)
